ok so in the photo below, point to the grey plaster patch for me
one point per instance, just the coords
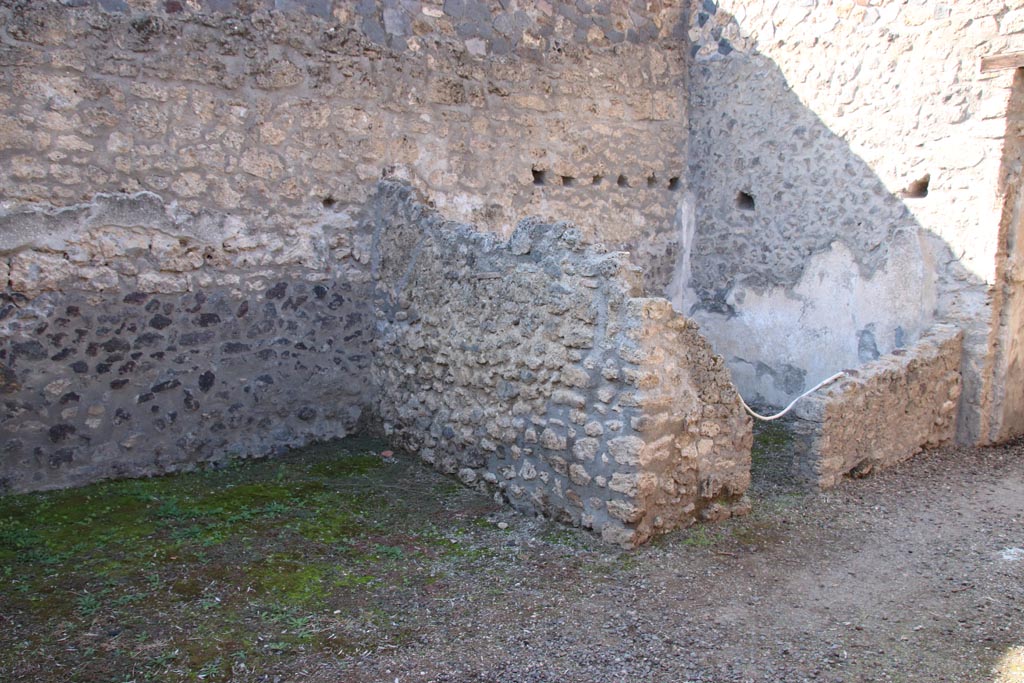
(867, 348)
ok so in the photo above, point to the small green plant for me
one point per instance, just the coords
(209, 603)
(699, 537)
(164, 659)
(128, 599)
(388, 552)
(210, 669)
(88, 604)
(170, 510)
(298, 625)
(15, 537)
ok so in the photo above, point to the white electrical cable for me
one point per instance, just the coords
(776, 416)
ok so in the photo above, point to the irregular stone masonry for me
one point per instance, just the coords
(186, 241)
(137, 340)
(533, 366)
(883, 412)
(149, 343)
(260, 135)
(848, 163)
(497, 113)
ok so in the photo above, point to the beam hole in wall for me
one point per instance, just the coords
(538, 177)
(673, 183)
(329, 202)
(744, 201)
(597, 180)
(651, 181)
(568, 181)
(917, 189)
(622, 181)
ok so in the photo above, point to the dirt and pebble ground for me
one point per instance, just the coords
(335, 564)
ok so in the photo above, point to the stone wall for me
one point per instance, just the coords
(883, 412)
(135, 340)
(846, 157)
(496, 111)
(182, 189)
(533, 366)
(1005, 390)
(185, 234)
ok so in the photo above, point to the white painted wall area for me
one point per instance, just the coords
(828, 115)
(782, 340)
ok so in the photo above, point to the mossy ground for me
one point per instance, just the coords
(223, 573)
(771, 460)
(249, 570)
(332, 565)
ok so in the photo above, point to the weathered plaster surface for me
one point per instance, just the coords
(533, 366)
(828, 117)
(833, 318)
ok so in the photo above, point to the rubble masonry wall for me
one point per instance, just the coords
(282, 116)
(136, 341)
(185, 203)
(883, 412)
(184, 246)
(533, 366)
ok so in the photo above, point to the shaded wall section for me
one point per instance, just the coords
(843, 158)
(534, 367)
(137, 342)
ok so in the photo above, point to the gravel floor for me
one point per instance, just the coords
(914, 574)
(335, 565)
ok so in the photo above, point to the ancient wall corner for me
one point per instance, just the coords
(692, 437)
(845, 156)
(532, 367)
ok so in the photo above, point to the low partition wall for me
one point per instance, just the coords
(534, 367)
(883, 412)
(134, 341)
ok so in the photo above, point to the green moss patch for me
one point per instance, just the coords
(215, 574)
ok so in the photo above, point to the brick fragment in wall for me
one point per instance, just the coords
(882, 413)
(579, 458)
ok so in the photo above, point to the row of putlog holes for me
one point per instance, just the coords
(744, 200)
(541, 178)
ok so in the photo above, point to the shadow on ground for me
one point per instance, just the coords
(334, 564)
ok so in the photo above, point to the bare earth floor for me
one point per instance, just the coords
(335, 565)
